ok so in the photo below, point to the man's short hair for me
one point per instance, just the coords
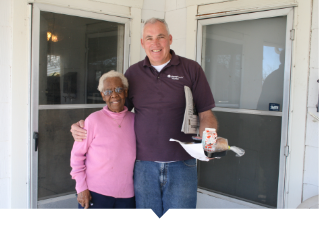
(154, 20)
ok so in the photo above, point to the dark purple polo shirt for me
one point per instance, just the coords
(159, 103)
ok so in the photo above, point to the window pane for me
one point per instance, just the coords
(244, 62)
(74, 53)
(254, 176)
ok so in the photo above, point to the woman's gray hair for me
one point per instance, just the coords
(154, 20)
(110, 74)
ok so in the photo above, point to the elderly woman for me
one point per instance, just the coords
(102, 164)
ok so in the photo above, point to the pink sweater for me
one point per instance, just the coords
(104, 162)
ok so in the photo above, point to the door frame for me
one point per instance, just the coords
(34, 76)
(282, 177)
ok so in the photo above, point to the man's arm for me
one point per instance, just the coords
(78, 132)
(207, 120)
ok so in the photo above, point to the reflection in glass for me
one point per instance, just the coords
(100, 59)
(273, 76)
(225, 61)
(271, 60)
(74, 53)
(238, 58)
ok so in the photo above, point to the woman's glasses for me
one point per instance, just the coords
(117, 90)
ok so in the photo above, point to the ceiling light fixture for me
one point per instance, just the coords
(54, 38)
(48, 36)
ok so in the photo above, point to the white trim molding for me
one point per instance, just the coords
(130, 3)
(246, 111)
(242, 6)
(205, 2)
(120, 18)
(89, 6)
(73, 106)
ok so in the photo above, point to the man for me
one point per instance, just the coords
(165, 175)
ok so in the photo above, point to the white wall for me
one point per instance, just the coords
(20, 105)
(150, 9)
(175, 14)
(298, 103)
(176, 17)
(6, 28)
(311, 158)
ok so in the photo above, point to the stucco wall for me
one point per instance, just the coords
(5, 100)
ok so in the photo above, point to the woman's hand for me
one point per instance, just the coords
(78, 132)
(84, 198)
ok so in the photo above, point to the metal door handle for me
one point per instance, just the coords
(35, 137)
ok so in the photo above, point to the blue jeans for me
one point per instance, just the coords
(162, 186)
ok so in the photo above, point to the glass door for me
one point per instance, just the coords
(70, 51)
(246, 59)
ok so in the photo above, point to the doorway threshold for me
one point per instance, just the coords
(210, 200)
(61, 202)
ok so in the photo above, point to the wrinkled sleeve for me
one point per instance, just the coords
(201, 91)
(78, 158)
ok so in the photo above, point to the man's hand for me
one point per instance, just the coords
(207, 120)
(84, 198)
(78, 132)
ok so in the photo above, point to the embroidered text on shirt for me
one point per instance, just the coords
(175, 77)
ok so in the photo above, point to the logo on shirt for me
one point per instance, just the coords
(175, 77)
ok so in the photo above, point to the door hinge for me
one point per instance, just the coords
(292, 33)
(286, 151)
